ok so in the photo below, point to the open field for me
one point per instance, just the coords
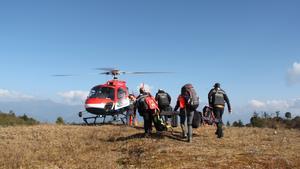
(109, 146)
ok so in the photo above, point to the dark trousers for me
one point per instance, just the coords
(218, 112)
(186, 120)
(186, 115)
(148, 118)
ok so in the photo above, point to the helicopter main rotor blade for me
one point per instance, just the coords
(140, 73)
(106, 69)
(105, 73)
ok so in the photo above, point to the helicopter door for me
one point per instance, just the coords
(123, 100)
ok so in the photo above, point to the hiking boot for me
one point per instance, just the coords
(220, 134)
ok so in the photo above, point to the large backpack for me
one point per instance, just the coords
(158, 123)
(218, 97)
(189, 90)
(196, 119)
(208, 115)
(163, 100)
(141, 104)
(151, 102)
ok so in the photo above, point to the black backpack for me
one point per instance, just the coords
(218, 98)
(196, 119)
(163, 100)
(141, 104)
(193, 101)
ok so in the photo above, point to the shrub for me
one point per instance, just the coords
(60, 120)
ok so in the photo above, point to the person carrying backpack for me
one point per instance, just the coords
(164, 100)
(217, 99)
(148, 109)
(187, 101)
(142, 107)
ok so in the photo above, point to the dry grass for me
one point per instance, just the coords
(52, 146)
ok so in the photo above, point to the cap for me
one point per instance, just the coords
(217, 85)
(161, 91)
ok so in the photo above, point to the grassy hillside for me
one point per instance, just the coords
(13, 120)
(55, 146)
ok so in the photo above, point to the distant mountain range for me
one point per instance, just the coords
(43, 110)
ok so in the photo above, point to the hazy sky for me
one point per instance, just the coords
(251, 47)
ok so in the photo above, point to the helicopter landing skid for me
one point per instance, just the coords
(115, 118)
(86, 120)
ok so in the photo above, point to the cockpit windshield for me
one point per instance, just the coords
(102, 92)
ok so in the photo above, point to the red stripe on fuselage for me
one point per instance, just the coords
(97, 101)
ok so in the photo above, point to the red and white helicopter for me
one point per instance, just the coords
(110, 98)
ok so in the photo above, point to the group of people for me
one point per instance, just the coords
(149, 108)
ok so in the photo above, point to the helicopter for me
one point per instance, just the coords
(109, 99)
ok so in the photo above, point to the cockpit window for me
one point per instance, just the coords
(121, 93)
(102, 92)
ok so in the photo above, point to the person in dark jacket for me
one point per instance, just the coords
(164, 100)
(217, 99)
(143, 110)
(131, 118)
(141, 106)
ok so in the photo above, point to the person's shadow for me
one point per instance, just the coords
(174, 135)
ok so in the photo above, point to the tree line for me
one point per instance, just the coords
(261, 120)
(10, 119)
(270, 120)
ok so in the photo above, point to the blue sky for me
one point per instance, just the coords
(251, 47)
